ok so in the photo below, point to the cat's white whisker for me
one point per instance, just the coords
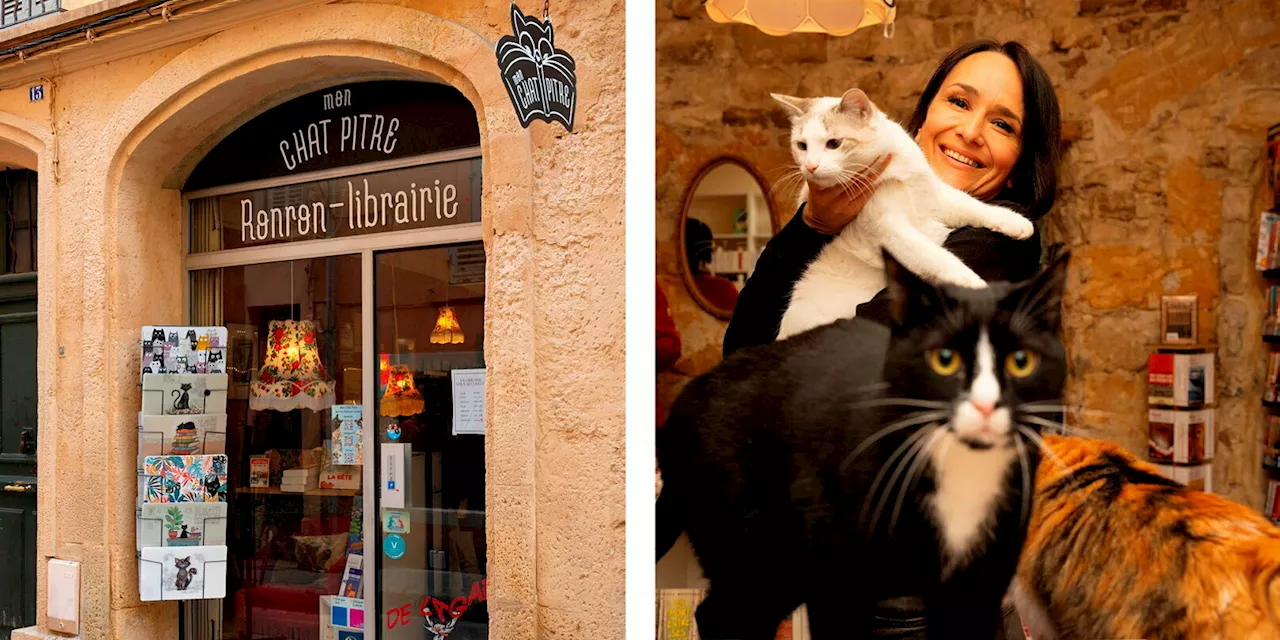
(918, 418)
(1040, 443)
(911, 447)
(1042, 422)
(1026, 479)
(904, 402)
(922, 458)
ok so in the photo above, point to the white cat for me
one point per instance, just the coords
(910, 213)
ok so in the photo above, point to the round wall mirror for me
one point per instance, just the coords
(726, 223)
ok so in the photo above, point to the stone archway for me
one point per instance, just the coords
(130, 230)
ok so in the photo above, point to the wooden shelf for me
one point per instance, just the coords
(1271, 274)
(1201, 346)
(1272, 339)
(313, 492)
(1271, 403)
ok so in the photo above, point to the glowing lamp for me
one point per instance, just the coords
(447, 329)
(780, 17)
(401, 397)
(292, 376)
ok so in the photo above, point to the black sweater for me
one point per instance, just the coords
(993, 256)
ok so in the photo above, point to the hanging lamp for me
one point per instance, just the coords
(447, 329)
(401, 397)
(292, 376)
(781, 17)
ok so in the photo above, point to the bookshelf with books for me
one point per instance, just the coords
(1267, 263)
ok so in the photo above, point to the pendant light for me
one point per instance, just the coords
(401, 396)
(447, 329)
(781, 17)
(292, 375)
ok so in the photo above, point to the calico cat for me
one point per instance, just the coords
(1190, 565)
(858, 462)
(182, 401)
(185, 573)
(911, 212)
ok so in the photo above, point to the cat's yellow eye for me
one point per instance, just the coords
(1021, 364)
(833, 144)
(944, 362)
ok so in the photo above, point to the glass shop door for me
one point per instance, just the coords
(429, 543)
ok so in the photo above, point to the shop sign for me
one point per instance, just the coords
(420, 197)
(342, 126)
(541, 80)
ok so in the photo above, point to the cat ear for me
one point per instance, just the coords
(909, 295)
(1042, 295)
(855, 102)
(794, 106)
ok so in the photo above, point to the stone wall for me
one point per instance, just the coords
(1165, 105)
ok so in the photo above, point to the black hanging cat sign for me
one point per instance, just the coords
(541, 80)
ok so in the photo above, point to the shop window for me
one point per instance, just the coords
(430, 340)
(288, 540)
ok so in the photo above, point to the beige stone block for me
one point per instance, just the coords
(511, 519)
(581, 623)
(150, 620)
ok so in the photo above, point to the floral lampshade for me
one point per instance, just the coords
(780, 17)
(292, 376)
(447, 330)
(401, 397)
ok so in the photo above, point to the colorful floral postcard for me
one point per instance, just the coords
(185, 478)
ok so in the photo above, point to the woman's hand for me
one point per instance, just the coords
(830, 210)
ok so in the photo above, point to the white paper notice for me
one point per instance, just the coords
(468, 401)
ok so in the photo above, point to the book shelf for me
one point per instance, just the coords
(1181, 411)
(1267, 263)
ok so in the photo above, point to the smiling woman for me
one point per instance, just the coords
(988, 124)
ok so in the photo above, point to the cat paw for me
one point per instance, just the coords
(1018, 229)
(969, 281)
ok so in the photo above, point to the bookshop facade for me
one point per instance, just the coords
(349, 197)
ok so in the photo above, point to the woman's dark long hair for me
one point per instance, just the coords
(1035, 175)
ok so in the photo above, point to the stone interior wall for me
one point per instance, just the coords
(1165, 106)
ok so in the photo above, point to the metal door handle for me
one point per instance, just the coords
(20, 487)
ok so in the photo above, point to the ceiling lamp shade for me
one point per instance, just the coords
(780, 17)
(401, 397)
(447, 329)
(292, 376)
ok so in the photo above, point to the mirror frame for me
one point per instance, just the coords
(686, 274)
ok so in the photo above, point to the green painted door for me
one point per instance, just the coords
(17, 401)
(17, 451)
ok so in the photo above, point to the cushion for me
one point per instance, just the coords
(320, 553)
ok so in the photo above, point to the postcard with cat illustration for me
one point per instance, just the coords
(174, 394)
(183, 350)
(184, 478)
(183, 573)
(182, 524)
(183, 435)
